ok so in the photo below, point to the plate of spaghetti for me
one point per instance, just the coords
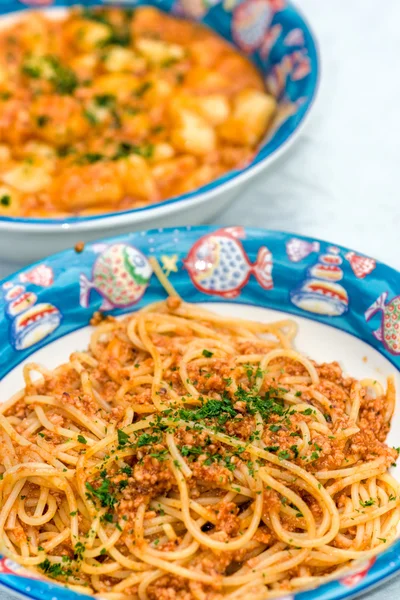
(199, 414)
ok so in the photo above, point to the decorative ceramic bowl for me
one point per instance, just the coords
(276, 37)
(339, 298)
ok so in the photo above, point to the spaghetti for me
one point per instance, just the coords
(189, 456)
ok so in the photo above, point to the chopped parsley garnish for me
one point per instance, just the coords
(51, 69)
(142, 89)
(63, 151)
(79, 550)
(192, 451)
(369, 502)
(105, 100)
(90, 158)
(157, 129)
(81, 439)
(146, 439)
(54, 569)
(221, 410)
(207, 353)
(308, 411)
(42, 120)
(283, 455)
(90, 117)
(123, 438)
(5, 200)
(125, 149)
(107, 517)
(275, 428)
(162, 455)
(102, 493)
(127, 470)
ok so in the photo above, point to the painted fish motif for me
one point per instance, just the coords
(33, 325)
(270, 39)
(361, 265)
(13, 292)
(250, 22)
(297, 249)
(330, 259)
(295, 65)
(321, 297)
(301, 68)
(327, 272)
(23, 302)
(218, 264)
(41, 275)
(295, 37)
(37, 2)
(120, 275)
(194, 8)
(389, 331)
(355, 578)
(10, 567)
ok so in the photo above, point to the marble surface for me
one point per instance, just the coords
(339, 182)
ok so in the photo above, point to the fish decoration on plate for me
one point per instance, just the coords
(327, 272)
(250, 22)
(270, 38)
(296, 66)
(20, 304)
(120, 274)
(30, 322)
(13, 292)
(194, 8)
(218, 264)
(42, 275)
(357, 576)
(297, 249)
(361, 265)
(320, 293)
(10, 567)
(389, 330)
(33, 325)
(295, 37)
(37, 2)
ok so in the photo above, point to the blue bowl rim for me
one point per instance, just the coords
(219, 185)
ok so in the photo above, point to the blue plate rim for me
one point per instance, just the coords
(387, 563)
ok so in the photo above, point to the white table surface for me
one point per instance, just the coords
(340, 181)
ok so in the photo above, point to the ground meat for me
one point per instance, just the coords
(213, 475)
(240, 427)
(372, 417)
(151, 476)
(227, 518)
(213, 377)
(82, 402)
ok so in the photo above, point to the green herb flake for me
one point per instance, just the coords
(123, 438)
(5, 200)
